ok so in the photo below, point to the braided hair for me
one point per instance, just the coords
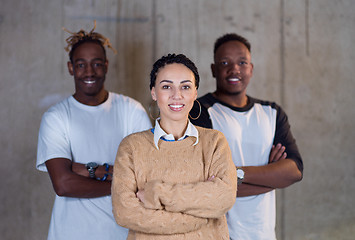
(78, 38)
(170, 59)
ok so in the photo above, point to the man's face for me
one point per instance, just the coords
(89, 69)
(232, 68)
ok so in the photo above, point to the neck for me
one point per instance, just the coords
(236, 100)
(92, 100)
(176, 128)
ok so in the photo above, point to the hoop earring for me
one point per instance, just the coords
(199, 114)
(150, 112)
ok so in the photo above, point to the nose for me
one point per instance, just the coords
(177, 94)
(235, 68)
(89, 70)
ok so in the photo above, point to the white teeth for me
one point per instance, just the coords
(176, 106)
(89, 82)
(234, 79)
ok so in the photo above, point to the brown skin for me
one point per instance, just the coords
(71, 179)
(233, 70)
(232, 61)
(89, 70)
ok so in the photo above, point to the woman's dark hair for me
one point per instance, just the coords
(170, 59)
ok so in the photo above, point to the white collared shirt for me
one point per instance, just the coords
(159, 133)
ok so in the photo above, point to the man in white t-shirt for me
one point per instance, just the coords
(78, 141)
(259, 135)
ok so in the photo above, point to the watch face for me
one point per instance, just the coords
(240, 173)
(92, 165)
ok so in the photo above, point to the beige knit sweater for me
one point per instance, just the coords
(180, 202)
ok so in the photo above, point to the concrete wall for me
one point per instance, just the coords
(303, 58)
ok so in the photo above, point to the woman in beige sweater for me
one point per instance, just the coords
(177, 180)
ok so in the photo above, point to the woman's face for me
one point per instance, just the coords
(175, 92)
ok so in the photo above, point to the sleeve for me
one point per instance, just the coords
(284, 136)
(129, 212)
(53, 141)
(209, 199)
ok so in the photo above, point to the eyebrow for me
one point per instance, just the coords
(169, 81)
(84, 60)
(227, 58)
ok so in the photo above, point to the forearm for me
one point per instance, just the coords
(210, 199)
(67, 183)
(83, 187)
(129, 212)
(278, 174)
(100, 172)
(245, 190)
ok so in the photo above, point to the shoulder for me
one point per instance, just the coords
(213, 141)
(122, 99)
(207, 100)
(265, 103)
(58, 110)
(126, 104)
(138, 138)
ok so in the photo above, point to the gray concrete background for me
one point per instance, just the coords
(304, 59)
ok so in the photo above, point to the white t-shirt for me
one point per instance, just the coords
(85, 134)
(250, 131)
(253, 217)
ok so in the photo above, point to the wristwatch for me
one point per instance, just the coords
(240, 175)
(91, 167)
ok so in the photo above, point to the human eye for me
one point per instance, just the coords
(186, 87)
(98, 64)
(224, 63)
(165, 87)
(243, 62)
(80, 65)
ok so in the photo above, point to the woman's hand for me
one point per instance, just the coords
(140, 195)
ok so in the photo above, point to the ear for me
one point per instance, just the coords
(152, 92)
(70, 68)
(213, 70)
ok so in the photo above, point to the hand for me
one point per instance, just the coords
(277, 153)
(140, 195)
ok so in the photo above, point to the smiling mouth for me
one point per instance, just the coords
(89, 81)
(176, 107)
(234, 79)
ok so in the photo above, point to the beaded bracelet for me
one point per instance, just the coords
(103, 178)
(107, 167)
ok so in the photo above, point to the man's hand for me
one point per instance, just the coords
(277, 153)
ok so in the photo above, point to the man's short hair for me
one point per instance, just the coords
(231, 37)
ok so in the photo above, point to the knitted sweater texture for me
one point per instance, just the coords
(180, 201)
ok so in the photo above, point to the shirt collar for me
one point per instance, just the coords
(159, 133)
